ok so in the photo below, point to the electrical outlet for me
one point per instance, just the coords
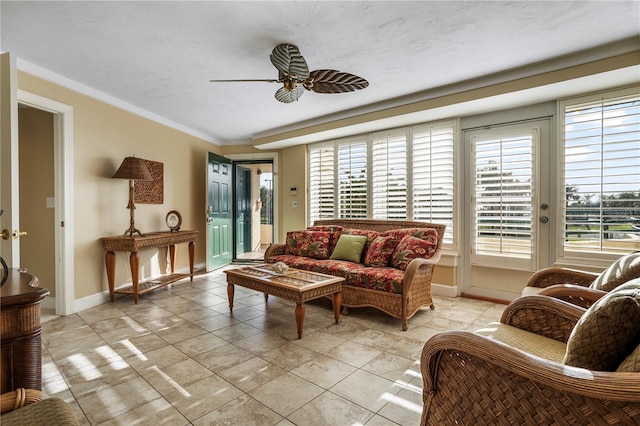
(294, 204)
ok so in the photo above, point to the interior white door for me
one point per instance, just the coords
(9, 186)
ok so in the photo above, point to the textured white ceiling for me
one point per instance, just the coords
(159, 56)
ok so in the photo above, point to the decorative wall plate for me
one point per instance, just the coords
(173, 220)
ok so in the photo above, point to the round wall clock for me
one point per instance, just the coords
(173, 220)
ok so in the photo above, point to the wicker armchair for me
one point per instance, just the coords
(512, 372)
(23, 407)
(583, 288)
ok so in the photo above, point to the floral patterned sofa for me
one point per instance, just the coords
(393, 270)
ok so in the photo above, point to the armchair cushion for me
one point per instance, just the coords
(622, 270)
(526, 341)
(608, 332)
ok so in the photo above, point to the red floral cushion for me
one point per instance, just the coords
(335, 232)
(385, 279)
(338, 268)
(371, 235)
(410, 248)
(308, 243)
(430, 234)
(380, 251)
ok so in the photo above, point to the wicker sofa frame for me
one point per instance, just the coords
(416, 286)
(473, 379)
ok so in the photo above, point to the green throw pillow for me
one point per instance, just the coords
(349, 248)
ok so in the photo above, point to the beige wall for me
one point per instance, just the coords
(293, 173)
(37, 249)
(103, 135)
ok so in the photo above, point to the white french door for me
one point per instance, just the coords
(508, 207)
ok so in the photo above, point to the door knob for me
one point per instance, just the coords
(15, 234)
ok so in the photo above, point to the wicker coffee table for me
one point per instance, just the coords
(296, 285)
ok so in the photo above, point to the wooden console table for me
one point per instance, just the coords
(136, 243)
(21, 347)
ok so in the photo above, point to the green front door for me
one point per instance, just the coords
(219, 216)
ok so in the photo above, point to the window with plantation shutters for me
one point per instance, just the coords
(322, 174)
(432, 172)
(600, 138)
(502, 197)
(389, 175)
(352, 179)
(400, 174)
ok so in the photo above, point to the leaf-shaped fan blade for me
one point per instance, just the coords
(287, 59)
(245, 81)
(288, 96)
(332, 81)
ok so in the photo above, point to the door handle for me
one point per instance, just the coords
(544, 219)
(15, 234)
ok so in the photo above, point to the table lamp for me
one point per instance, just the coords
(134, 169)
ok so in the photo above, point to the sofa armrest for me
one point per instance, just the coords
(574, 294)
(543, 315)
(472, 379)
(550, 276)
(419, 272)
(273, 250)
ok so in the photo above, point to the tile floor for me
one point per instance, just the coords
(180, 358)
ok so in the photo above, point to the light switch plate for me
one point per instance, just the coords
(51, 202)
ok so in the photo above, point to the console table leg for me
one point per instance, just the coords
(172, 256)
(299, 318)
(192, 255)
(134, 261)
(110, 262)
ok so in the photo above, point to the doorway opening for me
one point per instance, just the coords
(253, 209)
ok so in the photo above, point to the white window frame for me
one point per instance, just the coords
(564, 254)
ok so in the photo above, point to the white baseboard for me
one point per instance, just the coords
(100, 298)
(444, 290)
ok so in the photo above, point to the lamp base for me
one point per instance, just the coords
(132, 231)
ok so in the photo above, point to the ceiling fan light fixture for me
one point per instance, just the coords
(292, 69)
(290, 84)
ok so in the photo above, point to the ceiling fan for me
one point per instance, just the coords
(294, 74)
